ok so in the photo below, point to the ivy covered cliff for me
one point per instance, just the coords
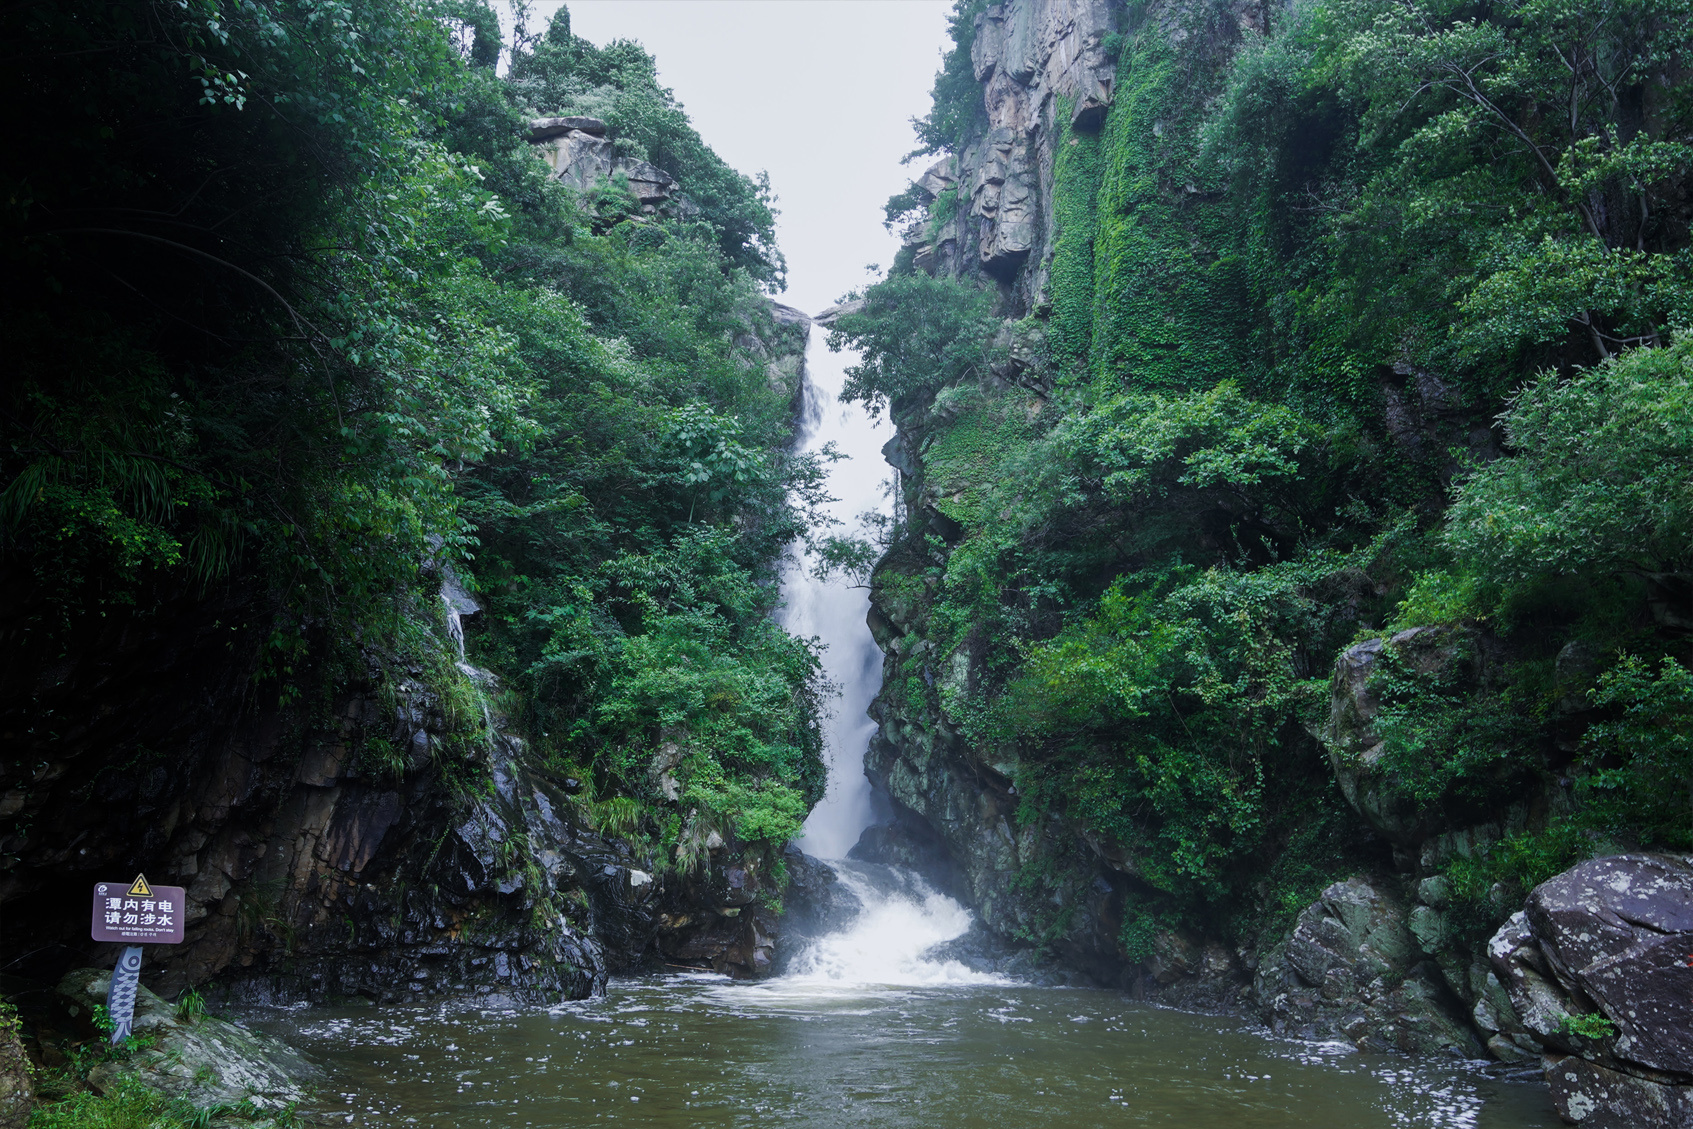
(1297, 540)
(394, 471)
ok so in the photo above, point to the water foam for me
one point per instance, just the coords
(900, 920)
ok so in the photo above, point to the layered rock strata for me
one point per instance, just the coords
(580, 155)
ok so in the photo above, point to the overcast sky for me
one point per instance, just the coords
(819, 93)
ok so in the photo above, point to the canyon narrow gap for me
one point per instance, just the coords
(929, 562)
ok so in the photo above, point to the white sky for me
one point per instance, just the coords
(818, 92)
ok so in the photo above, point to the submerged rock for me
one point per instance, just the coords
(205, 1061)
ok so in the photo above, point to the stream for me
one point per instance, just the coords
(865, 1028)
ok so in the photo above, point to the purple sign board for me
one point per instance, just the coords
(136, 913)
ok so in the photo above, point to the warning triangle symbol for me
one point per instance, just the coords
(139, 887)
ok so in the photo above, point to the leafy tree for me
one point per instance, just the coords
(914, 335)
(957, 109)
(296, 318)
(1597, 477)
(1573, 103)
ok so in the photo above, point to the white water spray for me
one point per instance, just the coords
(889, 943)
(901, 918)
(833, 610)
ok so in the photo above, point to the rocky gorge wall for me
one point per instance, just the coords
(1043, 67)
(388, 835)
(1393, 956)
(317, 871)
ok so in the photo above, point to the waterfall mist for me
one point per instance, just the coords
(833, 610)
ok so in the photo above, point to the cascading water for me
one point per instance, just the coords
(892, 939)
(833, 610)
(901, 918)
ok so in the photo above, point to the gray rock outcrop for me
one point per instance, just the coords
(829, 315)
(1352, 968)
(204, 1061)
(582, 156)
(1599, 965)
(1032, 58)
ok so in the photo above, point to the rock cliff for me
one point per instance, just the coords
(1404, 750)
(392, 838)
(581, 156)
(1043, 66)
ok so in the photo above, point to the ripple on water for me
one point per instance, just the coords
(705, 1051)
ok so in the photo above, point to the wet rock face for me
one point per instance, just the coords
(955, 824)
(415, 892)
(1599, 965)
(1352, 968)
(722, 918)
(982, 950)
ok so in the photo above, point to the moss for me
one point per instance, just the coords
(965, 460)
(1075, 190)
(1170, 304)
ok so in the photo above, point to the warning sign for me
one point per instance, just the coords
(138, 913)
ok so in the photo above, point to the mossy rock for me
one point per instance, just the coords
(206, 1062)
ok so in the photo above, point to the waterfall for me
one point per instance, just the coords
(901, 919)
(833, 610)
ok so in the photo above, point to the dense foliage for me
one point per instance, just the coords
(1296, 277)
(297, 324)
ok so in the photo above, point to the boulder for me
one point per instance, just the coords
(205, 1061)
(982, 950)
(1355, 750)
(1599, 966)
(1352, 969)
(814, 902)
(1620, 931)
(1594, 1097)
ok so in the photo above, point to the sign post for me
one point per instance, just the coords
(133, 914)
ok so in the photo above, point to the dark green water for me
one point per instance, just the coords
(701, 1051)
